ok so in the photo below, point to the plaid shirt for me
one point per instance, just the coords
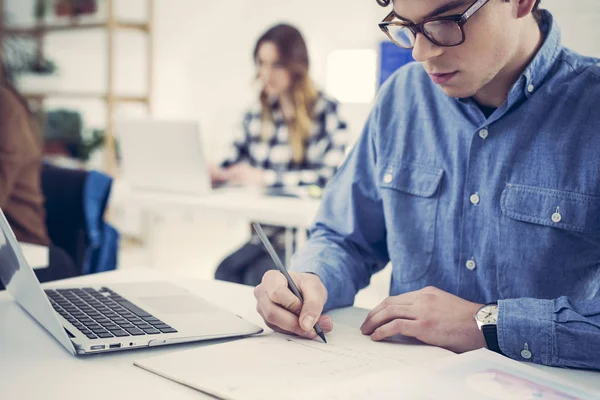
(324, 152)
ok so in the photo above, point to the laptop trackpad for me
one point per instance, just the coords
(178, 304)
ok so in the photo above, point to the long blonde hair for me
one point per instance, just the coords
(293, 54)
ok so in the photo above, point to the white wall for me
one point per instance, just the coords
(203, 65)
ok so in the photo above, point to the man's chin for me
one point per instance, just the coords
(458, 92)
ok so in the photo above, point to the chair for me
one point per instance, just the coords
(75, 204)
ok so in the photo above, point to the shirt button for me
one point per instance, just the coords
(530, 88)
(556, 217)
(484, 133)
(388, 178)
(471, 265)
(474, 199)
(525, 353)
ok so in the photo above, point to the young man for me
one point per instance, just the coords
(478, 177)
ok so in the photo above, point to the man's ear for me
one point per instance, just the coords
(522, 8)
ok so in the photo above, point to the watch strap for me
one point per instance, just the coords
(490, 333)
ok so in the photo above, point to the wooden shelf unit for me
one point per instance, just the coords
(110, 24)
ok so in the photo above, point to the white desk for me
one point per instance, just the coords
(35, 366)
(248, 203)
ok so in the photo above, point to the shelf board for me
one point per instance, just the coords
(86, 95)
(72, 26)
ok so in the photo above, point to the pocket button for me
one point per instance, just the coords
(556, 217)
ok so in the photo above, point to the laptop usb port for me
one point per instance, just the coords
(97, 347)
(114, 346)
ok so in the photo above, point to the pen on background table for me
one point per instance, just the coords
(291, 284)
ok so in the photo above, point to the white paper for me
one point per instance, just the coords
(280, 366)
(478, 375)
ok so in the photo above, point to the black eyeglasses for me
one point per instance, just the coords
(445, 31)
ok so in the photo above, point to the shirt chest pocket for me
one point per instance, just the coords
(410, 200)
(548, 236)
(564, 210)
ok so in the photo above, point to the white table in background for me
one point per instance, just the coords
(35, 366)
(243, 203)
(37, 256)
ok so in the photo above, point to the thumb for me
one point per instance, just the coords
(314, 294)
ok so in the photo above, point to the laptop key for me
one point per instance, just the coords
(151, 331)
(119, 333)
(104, 335)
(135, 331)
(113, 328)
(168, 330)
(92, 336)
(133, 308)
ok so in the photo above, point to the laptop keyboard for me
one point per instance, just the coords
(104, 314)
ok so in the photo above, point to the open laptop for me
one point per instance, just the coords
(96, 319)
(163, 155)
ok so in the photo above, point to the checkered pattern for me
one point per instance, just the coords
(324, 148)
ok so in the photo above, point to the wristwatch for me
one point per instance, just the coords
(487, 322)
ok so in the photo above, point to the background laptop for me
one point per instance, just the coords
(163, 155)
(95, 319)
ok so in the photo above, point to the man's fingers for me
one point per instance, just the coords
(404, 327)
(326, 323)
(278, 329)
(403, 299)
(315, 296)
(280, 307)
(386, 315)
(275, 316)
(285, 298)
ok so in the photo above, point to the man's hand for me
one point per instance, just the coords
(430, 315)
(283, 311)
(244, 174)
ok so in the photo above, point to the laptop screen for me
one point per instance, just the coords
(9, 264)
(21, 282)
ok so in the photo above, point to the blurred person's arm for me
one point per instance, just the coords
(18, 145)
(238, 150)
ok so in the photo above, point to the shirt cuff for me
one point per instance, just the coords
(526, 330)
(315, 265)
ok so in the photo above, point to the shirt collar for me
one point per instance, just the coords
(537, 71)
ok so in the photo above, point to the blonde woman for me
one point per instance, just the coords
(293, 136)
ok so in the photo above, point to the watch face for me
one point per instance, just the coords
(488, 315)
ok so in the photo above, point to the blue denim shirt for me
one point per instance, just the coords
(505, 208)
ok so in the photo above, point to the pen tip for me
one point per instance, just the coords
(322, 336)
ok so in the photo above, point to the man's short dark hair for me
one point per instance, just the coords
(536, 11)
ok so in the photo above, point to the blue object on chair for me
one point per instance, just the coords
(75, 204)
(391, 58)
(103, 239)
